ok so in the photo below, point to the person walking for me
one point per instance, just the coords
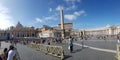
(4, 54)
(70, 44)
(118, 38)
(48, 42)
(11, 53)
(0, 44)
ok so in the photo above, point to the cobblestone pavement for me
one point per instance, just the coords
(106, 44)
(27, 53)
(87, 54)
(78, 54)
(4, 45)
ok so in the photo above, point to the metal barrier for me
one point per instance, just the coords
(118, 52)
(32, 45)
(48, 49)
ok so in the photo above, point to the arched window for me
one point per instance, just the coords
(17, 35)
(33, 35)
(27, 35)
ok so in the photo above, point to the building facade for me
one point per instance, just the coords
(108, 30)
(19, 31)
(54, 32)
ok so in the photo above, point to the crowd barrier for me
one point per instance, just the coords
(48, 49)
(118, 52)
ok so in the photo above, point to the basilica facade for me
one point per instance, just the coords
(18, 31)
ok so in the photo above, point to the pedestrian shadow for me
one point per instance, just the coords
(78, 50)
(84, 47)
(67, 56)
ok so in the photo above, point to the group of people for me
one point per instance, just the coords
(8, 54)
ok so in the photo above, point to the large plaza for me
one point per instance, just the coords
(59, 30)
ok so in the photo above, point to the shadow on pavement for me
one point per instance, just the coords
(78, 50)
(67, 56)
(75, 51)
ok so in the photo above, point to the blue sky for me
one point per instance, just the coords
(82, 13)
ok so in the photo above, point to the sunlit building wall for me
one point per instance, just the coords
(108, 30)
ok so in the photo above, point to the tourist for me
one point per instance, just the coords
(118, 38)
(70, 44)
(11, 53)
(0, 43)
(48, 42)
(43, 41)
(4, 54)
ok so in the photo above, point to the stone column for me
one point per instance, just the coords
(62, 23)
(25, 34)
(110, 31)
(30, 33)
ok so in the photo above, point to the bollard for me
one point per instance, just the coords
(118, 52)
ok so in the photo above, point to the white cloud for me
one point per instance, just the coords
(50, 18)
(58, 8)
(79, 13)
(46, 18)
(56, 14)
(38, 20)
(71, 4)
(72, 1)
(70, 17)
(50, 9)
(71, 7)
(5, 18)
(74, 15)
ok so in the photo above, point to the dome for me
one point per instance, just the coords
(19, 25)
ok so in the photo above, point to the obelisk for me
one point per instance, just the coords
(62, 23)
